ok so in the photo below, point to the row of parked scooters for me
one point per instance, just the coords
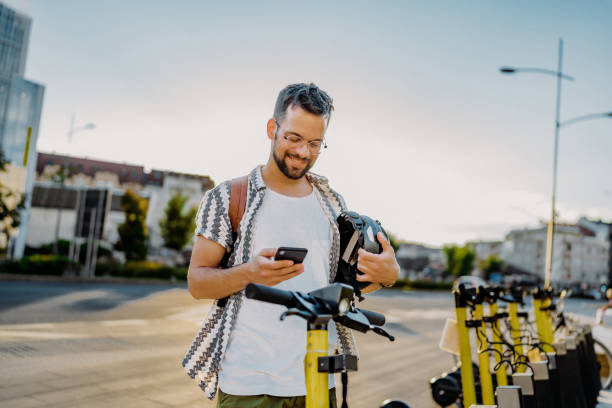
(529, 356)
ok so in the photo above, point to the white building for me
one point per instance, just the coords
(580, 256)
(100, 185)
(159, 195)
(414, 259)
(601, 229)
(484, 249)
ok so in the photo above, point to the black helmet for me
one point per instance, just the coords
(356, 231)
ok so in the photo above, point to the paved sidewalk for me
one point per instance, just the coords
(129, 356)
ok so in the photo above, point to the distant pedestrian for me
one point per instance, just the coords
(242, 347)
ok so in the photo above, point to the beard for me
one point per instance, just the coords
(291, 172)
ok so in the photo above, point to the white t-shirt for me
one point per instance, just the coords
(265, 355)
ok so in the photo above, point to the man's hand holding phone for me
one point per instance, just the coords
(268, 268)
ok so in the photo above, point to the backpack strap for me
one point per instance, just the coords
(237, 202)
(237, 205)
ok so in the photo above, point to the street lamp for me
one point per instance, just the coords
(73, 130)
(587, 117)
(62, 177)
(559, 74)
(514, 70)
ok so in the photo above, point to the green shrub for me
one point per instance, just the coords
(146, 269)
(48, 265)
(43, 264)
(108, 267)
(421, 284)
(140, 269)
(39, 264)
(63, 248)
(180, 274)
(7, 266)
(102, 252)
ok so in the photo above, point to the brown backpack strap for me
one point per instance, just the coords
(238, 198)
(237, 205)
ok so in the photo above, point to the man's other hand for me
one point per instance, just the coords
(378, 268)
(266, 271)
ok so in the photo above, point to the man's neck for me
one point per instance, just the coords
(277, 181)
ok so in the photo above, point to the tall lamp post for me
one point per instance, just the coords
(62, 179)
(73, 130)
(558, 124)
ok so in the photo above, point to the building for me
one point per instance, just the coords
(484, 249)
(602, 230)
(418, 261)
(99, 185)
(20, 109)
(580, 255)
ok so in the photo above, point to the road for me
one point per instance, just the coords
(52, 302)
(100, 345)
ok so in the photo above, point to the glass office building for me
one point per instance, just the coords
(14, 39)
(20, 105)
(22, 102)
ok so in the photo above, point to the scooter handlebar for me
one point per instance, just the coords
(374, 318)
(286, 298)
(269, 294)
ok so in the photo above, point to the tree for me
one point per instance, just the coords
(459, 260)
(394, 241)
(11, 204)
(133, 232)
(491, 265)
(176, 225)
(65, 172)
(450, 254)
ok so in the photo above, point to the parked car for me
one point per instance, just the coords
(468, 281)
(585, 293)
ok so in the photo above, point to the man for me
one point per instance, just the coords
(242, 346)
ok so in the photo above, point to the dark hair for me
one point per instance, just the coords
(307, 96)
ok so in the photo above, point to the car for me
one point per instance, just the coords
(585, 293)
(468, 281)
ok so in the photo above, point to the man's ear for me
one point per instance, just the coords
(271, 128)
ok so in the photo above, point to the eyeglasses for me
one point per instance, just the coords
(297, 141)
(314, 146)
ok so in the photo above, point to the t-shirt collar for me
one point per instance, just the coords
(256, 179)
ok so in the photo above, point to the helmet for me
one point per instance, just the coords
(394, 404)
(356, 231)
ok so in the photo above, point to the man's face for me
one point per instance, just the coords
(294, 160)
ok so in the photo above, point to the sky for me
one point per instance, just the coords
(427, 135)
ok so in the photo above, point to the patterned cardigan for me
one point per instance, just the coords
(204, 357)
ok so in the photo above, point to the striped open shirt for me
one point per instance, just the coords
(204, 357)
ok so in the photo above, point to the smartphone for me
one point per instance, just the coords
(296, 255)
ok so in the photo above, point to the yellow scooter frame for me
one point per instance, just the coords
(317, 383)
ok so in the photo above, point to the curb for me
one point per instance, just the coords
(78, 279)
